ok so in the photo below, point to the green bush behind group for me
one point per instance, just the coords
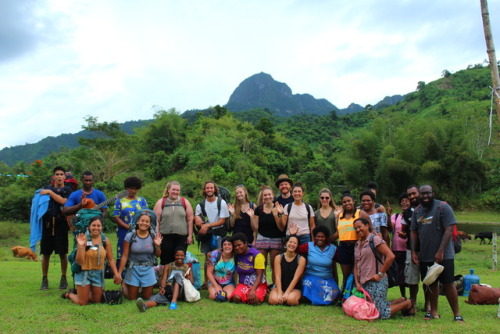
(437, 135)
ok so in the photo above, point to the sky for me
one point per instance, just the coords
(119, 60)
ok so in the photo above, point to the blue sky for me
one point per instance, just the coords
(117, 60)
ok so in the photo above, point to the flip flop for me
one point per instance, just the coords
(429, 316)
(458, 318)
(408, 313)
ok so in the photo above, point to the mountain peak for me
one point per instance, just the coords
(262, 91)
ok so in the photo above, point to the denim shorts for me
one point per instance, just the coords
(140, 276)
(89, 277)
(304, 238)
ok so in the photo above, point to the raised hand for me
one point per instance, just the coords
(230, 207)
(81, 239)
(158, 239)
(293, 228)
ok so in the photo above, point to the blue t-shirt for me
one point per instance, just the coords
(319, 262)
(76, 198)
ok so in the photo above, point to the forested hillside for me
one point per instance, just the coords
(436, 135)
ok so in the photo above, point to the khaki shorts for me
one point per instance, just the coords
(412, 271)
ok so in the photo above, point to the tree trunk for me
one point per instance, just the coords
(490, 49)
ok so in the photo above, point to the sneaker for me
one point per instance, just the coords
(221, 296)
(141, 305)
(173, 306)
(433, 273)
(63, 284)
(45, 284)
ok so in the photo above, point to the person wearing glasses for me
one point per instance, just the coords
(325, 215)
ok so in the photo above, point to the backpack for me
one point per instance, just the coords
(83, 218)
(457, 241)
(221, 230)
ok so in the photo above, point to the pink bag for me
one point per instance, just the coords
(359, 308)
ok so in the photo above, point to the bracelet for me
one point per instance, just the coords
(157, 246)
(280, 214)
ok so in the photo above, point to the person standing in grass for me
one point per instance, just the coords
(240, 219)
(400, 240)
(92, 253)
(124, 211)
(432, 227)
(347, 234)
(175, 221)
(171, 286)
(325, 215)
(289, 267)
(266, 225)
(284, 185)
(299, 214)
(250, 267)
(55, 228)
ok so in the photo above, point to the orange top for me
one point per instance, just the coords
(346, 228)
(95, 258)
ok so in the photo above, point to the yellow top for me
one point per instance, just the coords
(346, 228)
(95, 258)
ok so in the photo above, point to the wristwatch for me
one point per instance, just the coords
(381, 274)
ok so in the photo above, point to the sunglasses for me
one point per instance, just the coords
(324, 197)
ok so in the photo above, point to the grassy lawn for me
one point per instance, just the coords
(478, 216)
(26, 309)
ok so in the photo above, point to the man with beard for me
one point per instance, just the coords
(412, 271)
(284, 185)
(87, 197)
(432, 228)
(212, 216)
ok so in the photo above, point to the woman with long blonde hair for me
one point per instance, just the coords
(240, 213)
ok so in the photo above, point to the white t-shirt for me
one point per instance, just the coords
(298, 216)
(212, 212)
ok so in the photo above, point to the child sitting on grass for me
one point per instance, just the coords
(171, 283)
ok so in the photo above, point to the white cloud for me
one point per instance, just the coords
(116, 59)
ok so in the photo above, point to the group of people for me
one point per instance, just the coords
(302, 245)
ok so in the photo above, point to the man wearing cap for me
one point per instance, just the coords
(284, 185)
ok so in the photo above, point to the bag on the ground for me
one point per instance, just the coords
(361, 308)
(112, 297)
(483, 295)
(190, 293)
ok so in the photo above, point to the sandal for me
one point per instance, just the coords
(408, 313)
(65, 295)
(458, 318)
(429, 316)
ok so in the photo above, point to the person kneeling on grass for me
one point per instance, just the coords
(288, 270)
(91, 255)
(250, 266)
(171, 285)
(220, 271)
(371, 277)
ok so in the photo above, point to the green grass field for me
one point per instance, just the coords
(26, 309)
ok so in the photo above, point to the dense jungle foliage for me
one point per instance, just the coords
(436, 135)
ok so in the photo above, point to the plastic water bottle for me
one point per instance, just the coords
(469, 280)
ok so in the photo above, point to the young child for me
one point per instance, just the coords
(171, 283)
